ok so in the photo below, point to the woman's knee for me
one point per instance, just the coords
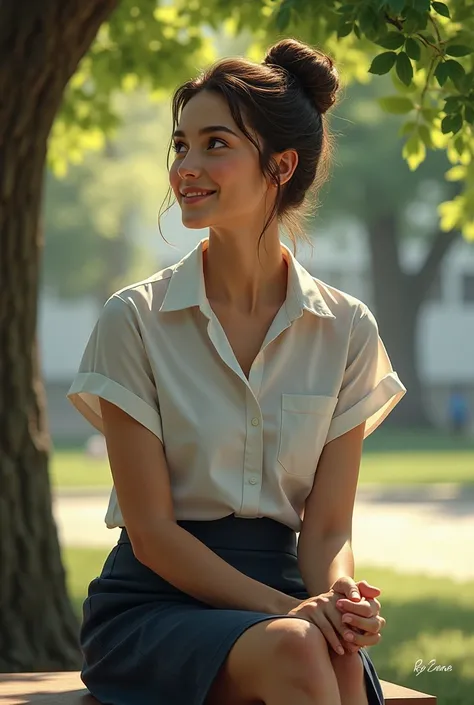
(297, 640)
(270, 654)
(298, 662)
(297, 654)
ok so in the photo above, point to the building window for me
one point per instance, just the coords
(468, 288)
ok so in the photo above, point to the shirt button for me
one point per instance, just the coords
(255, 421)
(253, 480)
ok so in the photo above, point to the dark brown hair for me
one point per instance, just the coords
(284, 100)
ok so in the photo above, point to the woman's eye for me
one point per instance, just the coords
(177, 145)
(217, 139)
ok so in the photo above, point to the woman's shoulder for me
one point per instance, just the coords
(142, 296)
(344, 306)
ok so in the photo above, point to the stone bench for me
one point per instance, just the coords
(68, 689)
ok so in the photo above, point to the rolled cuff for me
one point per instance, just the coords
(89, 386)
(372, 409)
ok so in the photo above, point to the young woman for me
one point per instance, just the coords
(234, 391)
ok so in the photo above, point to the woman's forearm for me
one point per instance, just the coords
(188, 564)
(323, 561)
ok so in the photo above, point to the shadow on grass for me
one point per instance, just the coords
(428, 630)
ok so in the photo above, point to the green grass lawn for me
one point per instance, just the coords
(389, 458)
(426, 619)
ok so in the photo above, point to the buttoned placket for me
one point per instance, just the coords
(253, 453)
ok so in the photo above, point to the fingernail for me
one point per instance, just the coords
(347, 619)
(340, 650)
(349, 636)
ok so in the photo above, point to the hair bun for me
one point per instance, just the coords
(313, 69)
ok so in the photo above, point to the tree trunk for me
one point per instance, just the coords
(40, 47)
(398, 299)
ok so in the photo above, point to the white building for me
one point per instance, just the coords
(445, 340)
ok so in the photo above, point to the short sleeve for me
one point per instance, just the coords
(370, 388)
(116, 368)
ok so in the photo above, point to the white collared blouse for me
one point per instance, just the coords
(236, 445)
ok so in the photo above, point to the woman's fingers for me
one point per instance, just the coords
(335, 620)
(364, 608)
(367, 624)
(347, 586)
(365, 588)
(362, 639)
(329, 633)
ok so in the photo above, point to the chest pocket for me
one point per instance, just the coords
(305, 421)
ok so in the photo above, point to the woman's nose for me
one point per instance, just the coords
(189, 165)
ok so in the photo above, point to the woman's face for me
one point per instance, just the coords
(213, 154)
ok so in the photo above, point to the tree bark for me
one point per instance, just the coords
(398, 298)
(41, 45)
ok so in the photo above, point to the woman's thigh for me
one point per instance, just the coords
(255, 657)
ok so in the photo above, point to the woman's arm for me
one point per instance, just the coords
(324, 546)
(141, 478)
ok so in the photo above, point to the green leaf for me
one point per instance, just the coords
(383, 63)
(412, 49)
(391, 40)
(396, 104)
(456, 173)
(283, 17)
(367, 19)
(469, 114)
(407, 128)
(396, 5)
(451, 123)
(458, 50)
(414, 21)
(422, 5)
(357, 31)
(348, 9)
(425, 135)
(344, 29)
(459, 145)
(441, 8)
(404, 68)
(442, 73)
(429, 114)
(456, 72)
(452, 104)
(457, 123)
(414, 151)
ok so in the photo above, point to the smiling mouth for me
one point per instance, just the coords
(196, 199)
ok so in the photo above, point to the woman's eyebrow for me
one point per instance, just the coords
(206, 130)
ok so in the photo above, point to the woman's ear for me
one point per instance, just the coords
(287, 162)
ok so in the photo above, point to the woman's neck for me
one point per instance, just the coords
(235, 277)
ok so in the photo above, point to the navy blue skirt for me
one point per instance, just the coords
(145, 642)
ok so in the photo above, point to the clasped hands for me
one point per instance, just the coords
(347, 615)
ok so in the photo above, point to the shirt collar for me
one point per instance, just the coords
(187, 287)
